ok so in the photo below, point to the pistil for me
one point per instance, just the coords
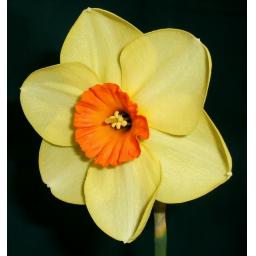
(117, 121)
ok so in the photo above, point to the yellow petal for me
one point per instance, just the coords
(48, 96)
(192, 165)
(120, 199)
(167, 73)
(96, 40)
(63, 169)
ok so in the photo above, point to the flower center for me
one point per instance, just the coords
(107, 125)
(119, 120)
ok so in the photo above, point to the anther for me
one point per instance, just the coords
(118, 120)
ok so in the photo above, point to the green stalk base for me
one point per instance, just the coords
(160, 229)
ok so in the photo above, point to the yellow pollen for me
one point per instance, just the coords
(116, 121)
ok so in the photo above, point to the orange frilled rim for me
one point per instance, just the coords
(99, 140)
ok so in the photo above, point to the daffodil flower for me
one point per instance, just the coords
(123, 123)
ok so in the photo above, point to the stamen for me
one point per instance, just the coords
(118, 120)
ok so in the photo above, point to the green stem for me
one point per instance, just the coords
(160, 229)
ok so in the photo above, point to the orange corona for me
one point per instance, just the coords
(107, 126)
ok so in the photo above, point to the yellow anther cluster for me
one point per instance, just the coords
(116, 121)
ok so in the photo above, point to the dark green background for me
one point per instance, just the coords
(38, 223)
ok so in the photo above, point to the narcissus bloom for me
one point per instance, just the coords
(123, 123)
